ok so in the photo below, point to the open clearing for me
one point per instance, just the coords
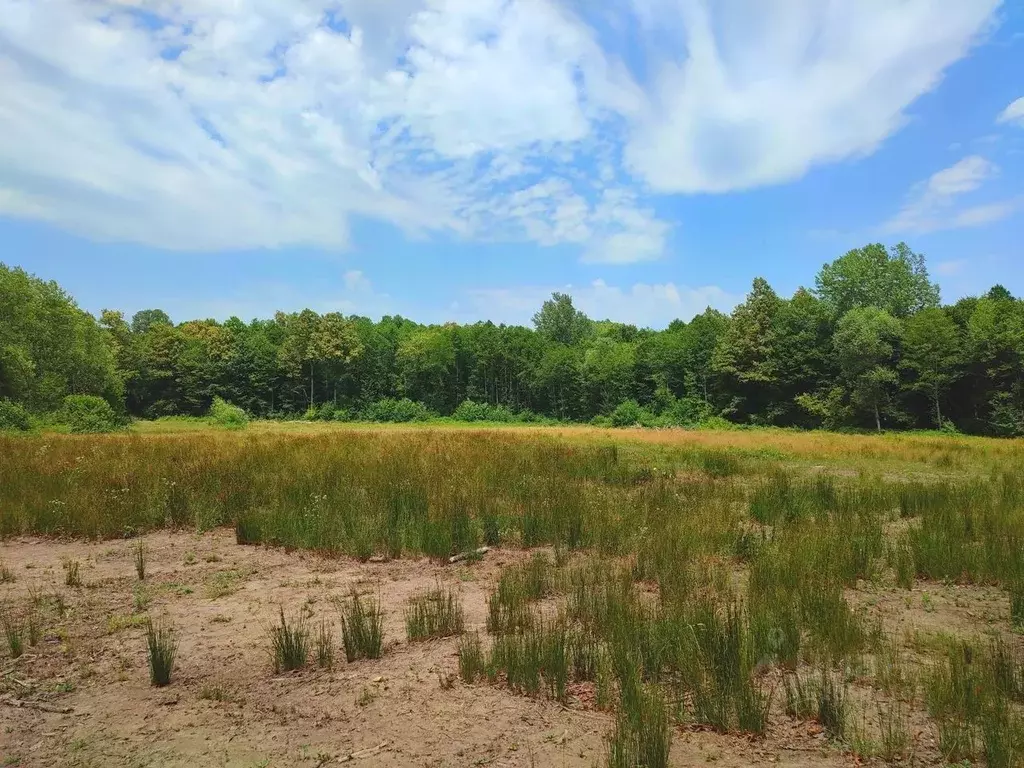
(645, 594)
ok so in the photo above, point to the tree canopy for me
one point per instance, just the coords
(870, 347)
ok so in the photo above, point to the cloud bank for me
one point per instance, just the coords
(208, 125)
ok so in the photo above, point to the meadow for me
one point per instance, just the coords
(806, 598)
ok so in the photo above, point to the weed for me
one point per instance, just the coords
(72, 577)
(140, 559)
(362, 628)
(34, 628)
(13, 633)
(289, 644)
(437, 613)
(6, 574)
(894, 736)
(324, 646)
(140, 598)
(162, 646)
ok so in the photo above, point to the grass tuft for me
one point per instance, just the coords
(289, 644)
(140, 560)
(13, 633)
(163, 647)
(362, 628)
(324, 646)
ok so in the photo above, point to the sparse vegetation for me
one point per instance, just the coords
(437, 613)
(162, 646)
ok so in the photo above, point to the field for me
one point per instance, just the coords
(619, 597)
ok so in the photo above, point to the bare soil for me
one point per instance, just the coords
(85, 697)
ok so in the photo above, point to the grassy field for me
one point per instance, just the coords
(728, 581)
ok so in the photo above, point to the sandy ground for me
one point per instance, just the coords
(226, 707)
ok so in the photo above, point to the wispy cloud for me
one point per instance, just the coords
(933, 204)
(1014, 113)
(261, 123)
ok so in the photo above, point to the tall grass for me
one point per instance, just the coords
(711, 568)
(289, 644)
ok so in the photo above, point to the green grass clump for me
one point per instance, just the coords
(471, 658)
(437, 613)
(13, 633)
(324, 646)
(832, 705)
(289, 644)
(162, 646)
(362, 628)
(642, 737)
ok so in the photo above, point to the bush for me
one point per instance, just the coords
(470, 411)
(688, 411)
(88, 414)
(224, 414)
(394, 411)
(13, 416)
(630, 413)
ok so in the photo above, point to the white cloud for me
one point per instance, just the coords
(1014, 113)
(642, 304)
(932, 204)
(205, 125)
(769, 90)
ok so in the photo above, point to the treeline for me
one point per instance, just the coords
(869, 347)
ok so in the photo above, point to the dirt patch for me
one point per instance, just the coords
(226, 706)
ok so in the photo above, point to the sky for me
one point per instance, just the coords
(459, 160)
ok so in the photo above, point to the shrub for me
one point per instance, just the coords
(88, 414)
(470, 411)
(224, 414)
(688, 411)
(630, 413)
(393, 411)
(13, 416)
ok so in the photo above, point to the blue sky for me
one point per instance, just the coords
(460, 159)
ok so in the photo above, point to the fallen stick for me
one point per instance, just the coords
(19, 704)
(369, 752)
(466, 555)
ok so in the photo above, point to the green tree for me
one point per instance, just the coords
(932, 351)
(895, 280)
(559, 321)
(865, 346)
(744, 357)
(145, 319)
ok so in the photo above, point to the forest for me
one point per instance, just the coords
(870, 347)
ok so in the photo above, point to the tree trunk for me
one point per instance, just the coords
(878, 419)
(310, 383)
(938, 413)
